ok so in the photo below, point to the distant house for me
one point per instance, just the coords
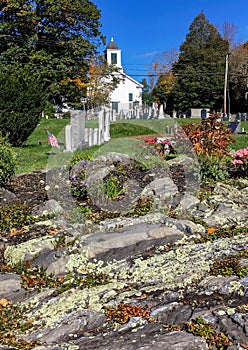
(128, 93)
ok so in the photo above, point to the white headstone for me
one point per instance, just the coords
(161, 112)
(68, 138)
(106, 132)
(78, 128)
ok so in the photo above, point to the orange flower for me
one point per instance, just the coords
(211, 230)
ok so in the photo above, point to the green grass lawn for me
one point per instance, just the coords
(33, 155)
(36, 154)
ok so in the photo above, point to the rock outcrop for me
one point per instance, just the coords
(138, 282)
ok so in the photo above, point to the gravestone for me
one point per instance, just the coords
(204, 113)
(77, 128)
(244, 117)
(238, 117)
(234, 126)
(225, 117)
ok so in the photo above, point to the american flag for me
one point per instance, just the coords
(52, 140)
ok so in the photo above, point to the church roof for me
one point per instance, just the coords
(112, 45)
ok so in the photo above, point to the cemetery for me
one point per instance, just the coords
(121, 227)
(128, 228)
(77, 136)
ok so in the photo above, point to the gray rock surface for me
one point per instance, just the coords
(7, 197)
(49, 207)
(154, 262)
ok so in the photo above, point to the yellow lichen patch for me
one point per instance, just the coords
(14, 254)
(177, 268)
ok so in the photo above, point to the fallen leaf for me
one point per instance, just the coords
(4, 302)
(13, 232)
(53, 232)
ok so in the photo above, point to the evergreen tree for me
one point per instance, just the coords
(200, 69)
(238, 78)
(22, 100)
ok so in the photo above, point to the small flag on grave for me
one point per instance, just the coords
(52, 140)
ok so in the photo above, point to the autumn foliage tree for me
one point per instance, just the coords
(52, 39)
(162, 78)
(102, 79)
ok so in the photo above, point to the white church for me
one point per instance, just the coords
(128, 93)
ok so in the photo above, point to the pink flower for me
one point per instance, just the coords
(237, 161)
(146, 156)
(241, 153)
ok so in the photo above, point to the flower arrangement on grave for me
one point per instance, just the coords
(161, 146)
(153, 152)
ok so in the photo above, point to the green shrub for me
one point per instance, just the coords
(113, 188)
(14, 216)
(213, 167)
(85, 154)
(7, 161)
(22, 100)
(199, 327)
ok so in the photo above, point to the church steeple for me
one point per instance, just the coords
(113, 54)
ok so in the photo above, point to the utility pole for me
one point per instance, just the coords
(225, 85)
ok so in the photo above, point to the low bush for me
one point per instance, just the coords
(213, 167)
(7, 161)
(211, 140)
(211, 136)
(14, 216)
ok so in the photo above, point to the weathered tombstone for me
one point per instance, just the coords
(95, 137)
(234, 126)
(161, 112)
(106, 126)
(78, 128)
(150, 113)
(225, 117)
(243, 117)
(203, 113)
(68, 138)
(238, 117)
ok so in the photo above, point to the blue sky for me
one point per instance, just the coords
(143, 29)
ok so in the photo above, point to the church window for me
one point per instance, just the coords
(113, 58)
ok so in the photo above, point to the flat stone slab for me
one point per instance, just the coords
(130, 240)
